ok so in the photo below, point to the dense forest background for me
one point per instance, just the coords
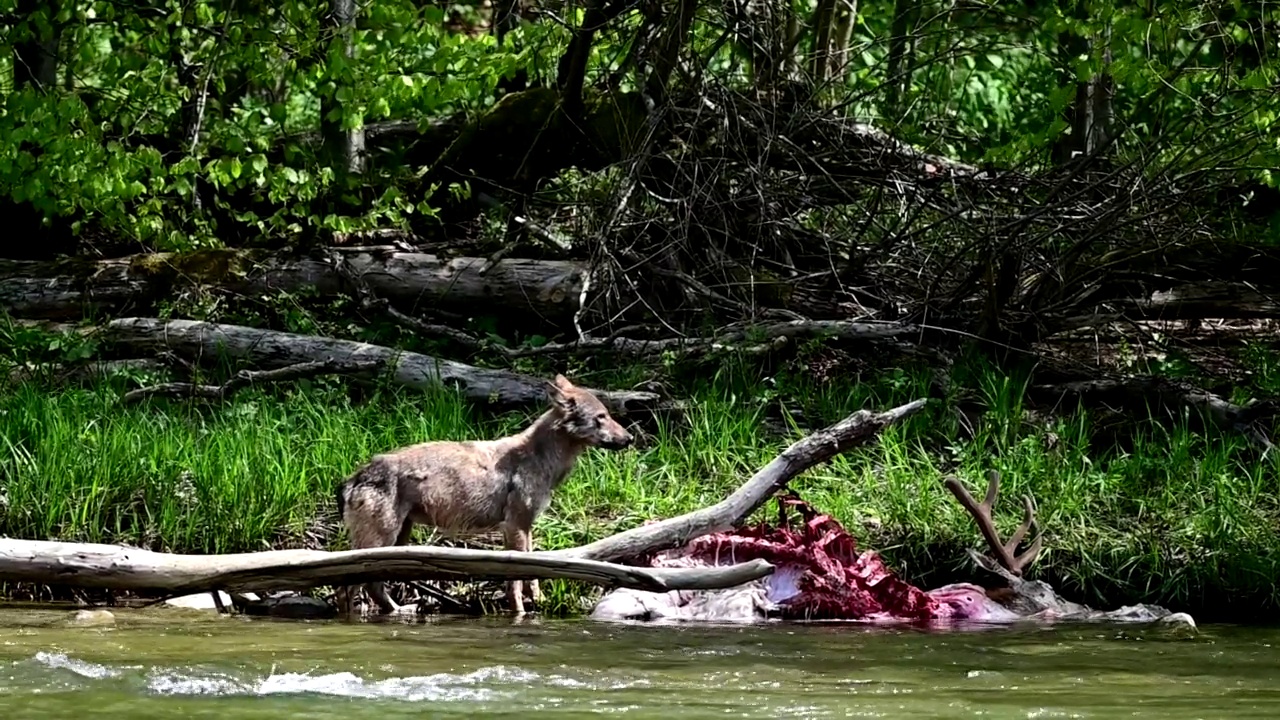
(1004, 168)
(1021, 208)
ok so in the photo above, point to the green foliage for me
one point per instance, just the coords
(115, 146)
(27, 347)
(179, 125)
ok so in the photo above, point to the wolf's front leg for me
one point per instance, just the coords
(512, 540)
(535, 592)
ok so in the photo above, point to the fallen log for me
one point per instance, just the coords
(123, 568)
(548, 290)
(271, 349)
(1207, 300)
(1143, 394)
(727, 514)
(763, 338)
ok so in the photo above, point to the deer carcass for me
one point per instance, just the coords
(821, 575)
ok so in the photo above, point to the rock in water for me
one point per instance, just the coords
(293, 607)
(93, 618)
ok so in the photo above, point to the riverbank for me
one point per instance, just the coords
(1181, 518)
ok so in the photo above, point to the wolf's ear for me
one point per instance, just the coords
(557, 395)
(563, 383)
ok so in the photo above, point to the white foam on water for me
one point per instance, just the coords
(168, 682)
(442, 687)
(61, 661)
(482, 684)
(436, 687)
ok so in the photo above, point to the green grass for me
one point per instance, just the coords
(1179, 518)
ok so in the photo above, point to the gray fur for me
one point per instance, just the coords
(464, 487)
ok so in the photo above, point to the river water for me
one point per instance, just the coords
(175, 663)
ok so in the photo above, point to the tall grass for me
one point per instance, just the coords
(1179, 518)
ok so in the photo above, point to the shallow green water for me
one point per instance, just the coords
(175, 664)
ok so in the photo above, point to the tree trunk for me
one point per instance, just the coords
(1101, 95)
(506, 17)
(901, 48)
(35, 59)
(846, 16)
(1090, 116)
(824, 19)
(203, 341)
(344, 147)
(571, 74)
(672, 37)
(545, 292)
(833, 27)
(774, 62)
(191, 113)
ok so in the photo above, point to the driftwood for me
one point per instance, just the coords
(122, 568)
(70, 289)
(270, 349)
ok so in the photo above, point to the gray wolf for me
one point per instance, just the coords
(476, 486)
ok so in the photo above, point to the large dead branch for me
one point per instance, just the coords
(753, 339)
(271, 349)
(1144, 394)
(803, 454)
(124, 568)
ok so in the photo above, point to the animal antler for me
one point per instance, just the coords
(981, 513)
